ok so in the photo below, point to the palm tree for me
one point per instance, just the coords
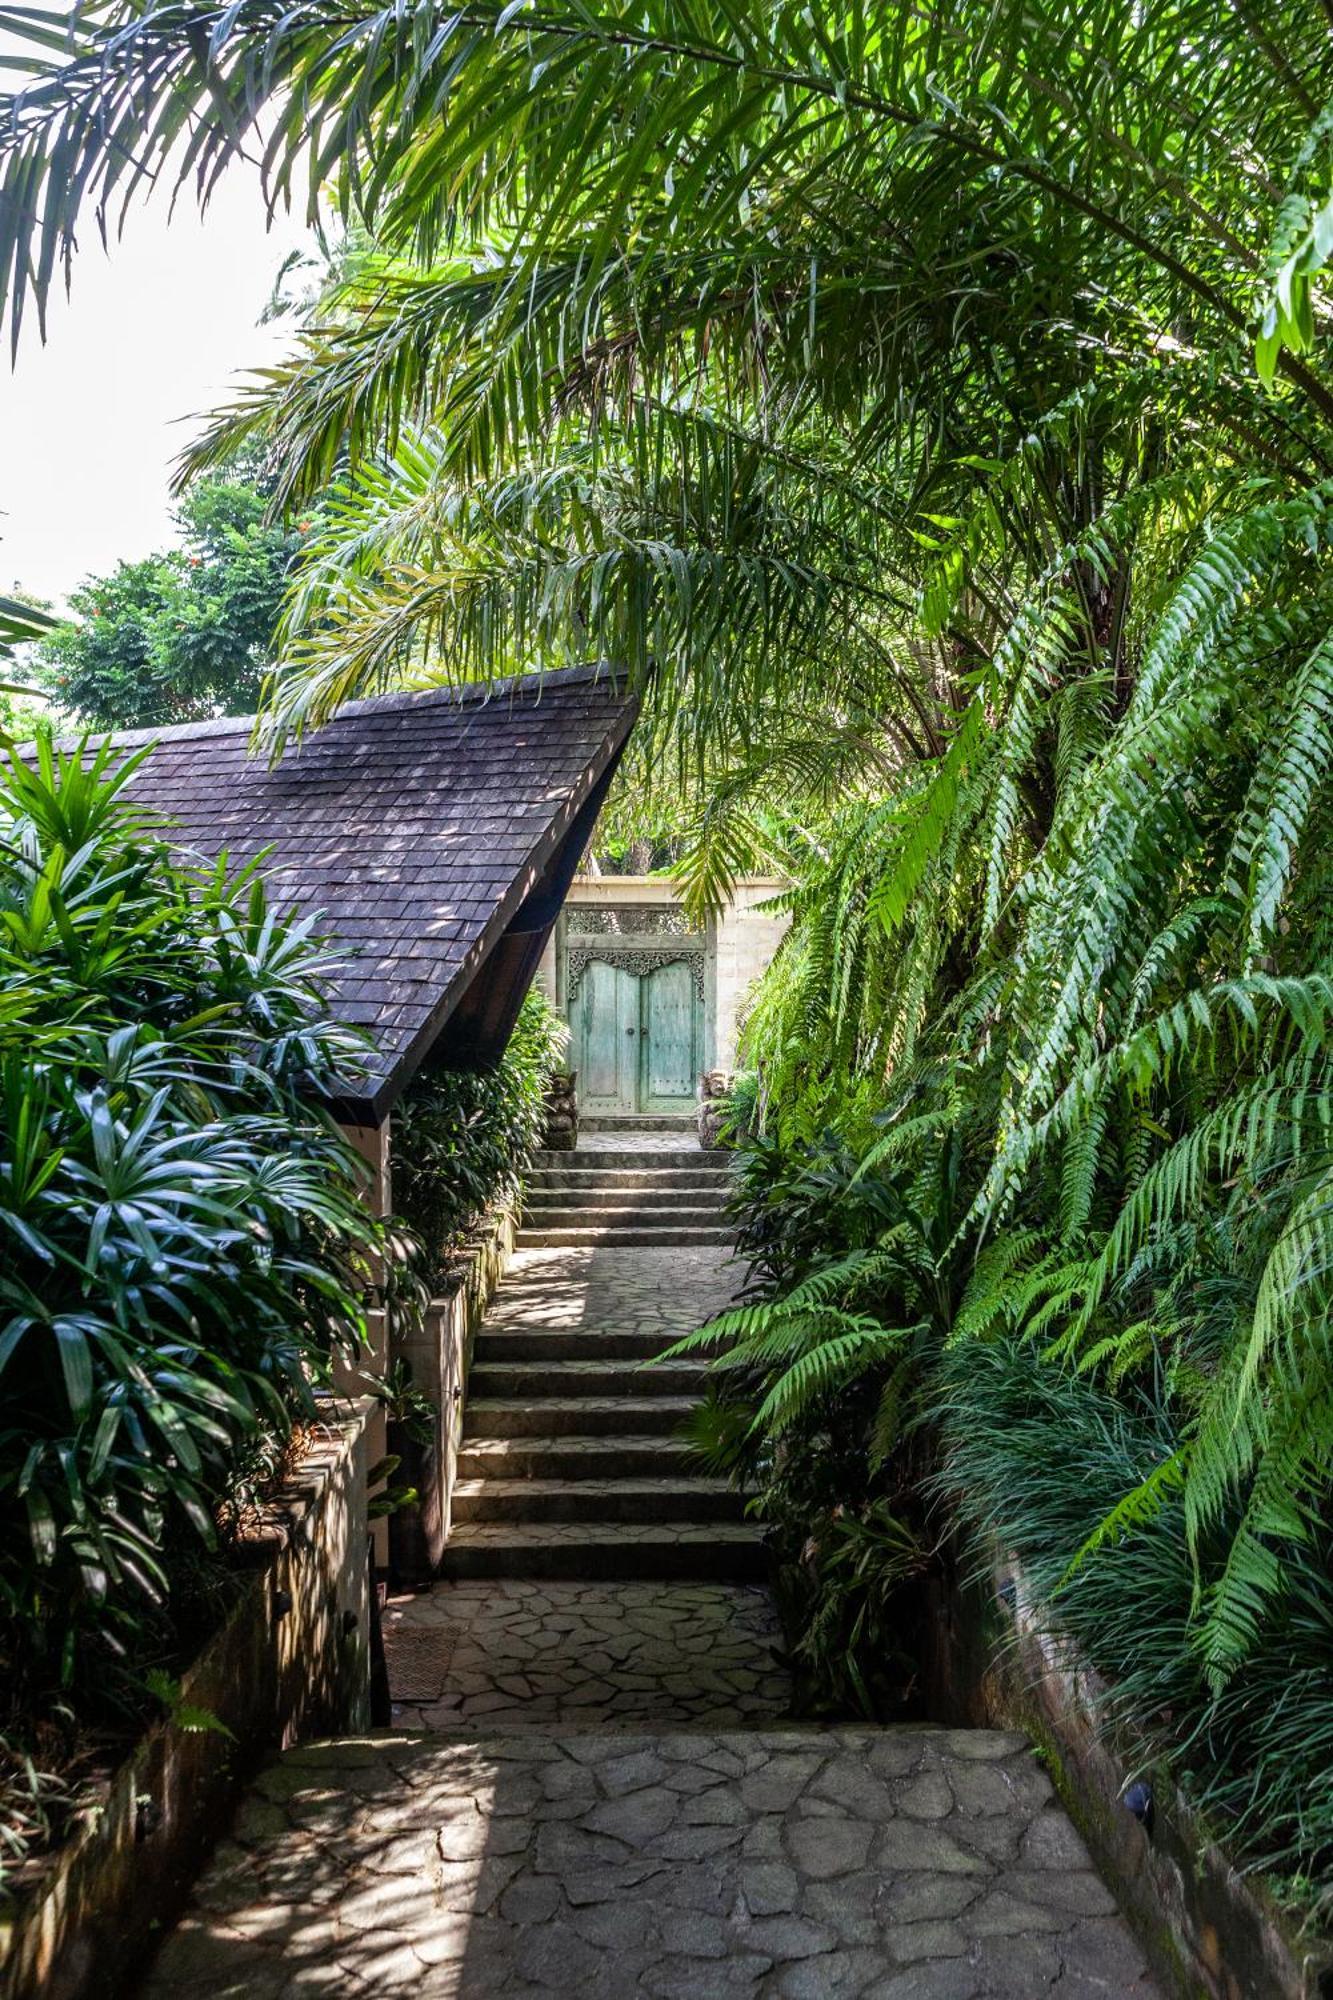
(710, 313)
(19, 623)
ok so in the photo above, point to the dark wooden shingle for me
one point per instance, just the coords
(415, 825)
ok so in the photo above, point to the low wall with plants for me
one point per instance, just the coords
(893, 1396)
(462, 1143)
(1211, 1930)
(183, 1253)
(291, 1660)
(436, 1356)
(1039, 1461)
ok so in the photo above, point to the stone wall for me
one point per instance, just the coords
(291, 1661)
(746, 938)
(1210, 1930)
(354, 1374)
(439, 1355)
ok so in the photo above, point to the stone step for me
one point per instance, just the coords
(530, 1380)
(597, 1201)
(581, 1180)
(607, 1499)
(607, 1551)
(631, 1455)
(591, 1236)
(626, 1122)
(588, 1416)
(634, 1344)
(613, 1212)
(683, 1159)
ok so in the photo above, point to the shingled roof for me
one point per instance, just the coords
(436, 834)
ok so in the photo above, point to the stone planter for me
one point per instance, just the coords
(438, 1354)
(292, 1660)
(410, 1563)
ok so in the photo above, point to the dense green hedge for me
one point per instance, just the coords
(182, 1244)
(462, 1138)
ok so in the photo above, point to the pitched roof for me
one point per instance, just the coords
(417, 825)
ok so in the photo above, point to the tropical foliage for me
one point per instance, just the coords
(185, 1247)
(184, 635)
(463, 1138)
(19, 623)
(932, 408)
(22, 707)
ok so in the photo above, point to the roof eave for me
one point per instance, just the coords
(363, 1107)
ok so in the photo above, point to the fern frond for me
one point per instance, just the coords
(1139, 1507)
(826, 1366)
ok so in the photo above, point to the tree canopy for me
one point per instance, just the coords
(184, 634)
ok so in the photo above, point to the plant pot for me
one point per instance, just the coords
(410, 1564)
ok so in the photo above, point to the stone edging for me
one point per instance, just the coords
(291, 1660)
(439, 1354)
(1211, 1930)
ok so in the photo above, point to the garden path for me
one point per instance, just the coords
(594, 1790)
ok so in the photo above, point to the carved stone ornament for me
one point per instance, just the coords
(619, 919)
(579, 957)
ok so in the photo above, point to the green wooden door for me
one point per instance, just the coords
(669, 1039)
(637, 1039)
(606, 1039)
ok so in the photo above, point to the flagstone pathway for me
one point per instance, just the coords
(528, 1652)
(592, 1790)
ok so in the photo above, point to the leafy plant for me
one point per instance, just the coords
(855, 1652)
(35, 1804)
(186, 1249)
(412, 1422)
(463, 1138)
(403, 1403)
(195, 1721)
(20, 623)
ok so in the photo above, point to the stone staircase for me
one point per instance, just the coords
(571, 1464)
(626, 1199)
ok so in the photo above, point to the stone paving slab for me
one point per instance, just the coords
(597, 1794)
(899, 1864)
(518, 1653)
(602, 1288)
(635, 1139)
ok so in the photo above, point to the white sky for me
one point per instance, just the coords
(153, 333)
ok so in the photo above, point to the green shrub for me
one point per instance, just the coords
(817, 1369)
(35, 1805)
(462, 1138)
(1036, 1458)
(183, 1242)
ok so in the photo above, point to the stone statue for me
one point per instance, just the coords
(562, 1112)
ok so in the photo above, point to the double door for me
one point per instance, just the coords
(637, 1038)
